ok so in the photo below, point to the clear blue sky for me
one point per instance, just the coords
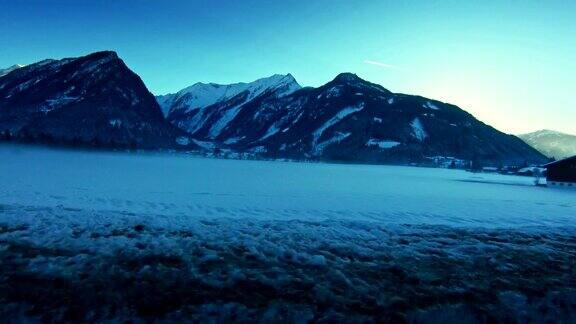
(510, 63)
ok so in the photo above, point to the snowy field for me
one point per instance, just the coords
(172, 237)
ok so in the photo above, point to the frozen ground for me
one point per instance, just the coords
(106, 236)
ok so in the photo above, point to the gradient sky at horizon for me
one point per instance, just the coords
(509, 63)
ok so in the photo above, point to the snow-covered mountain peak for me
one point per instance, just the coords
(15, 66)
(10, 69)
(546, 132)
(286, 84)
(201, 95)
(229, 90)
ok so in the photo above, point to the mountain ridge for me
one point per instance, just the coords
(349, 118)
(553, 144)
(97, 99)
(200, 95)
(10, 69)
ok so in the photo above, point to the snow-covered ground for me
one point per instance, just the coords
(186, 186)
(178, 237)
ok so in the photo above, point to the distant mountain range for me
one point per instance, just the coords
(553, 144)
(97, 99)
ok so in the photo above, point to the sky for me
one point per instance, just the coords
(509, 63)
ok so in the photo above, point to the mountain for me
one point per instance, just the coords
(551, 143)
(201, 95)
(10, 69)
(91, 100)
(204, 110)
(347, 119)
(97, 100)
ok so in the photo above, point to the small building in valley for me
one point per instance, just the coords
(562, 172)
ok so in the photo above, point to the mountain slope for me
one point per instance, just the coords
(551, 143)
(350, 119)
(95, 99)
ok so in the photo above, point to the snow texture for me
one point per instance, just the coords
(226, 118)
(182, 140)
(418, 129)
(233, 140)
(318, 149)
(430, 105)
(201, 95)
(177, 238)
(383, 144)
(204, 144)
(333, 92)
(5, 71)
(334, 120)
(272, 130)
(115, 123)
(258, 149)
(149, 183)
